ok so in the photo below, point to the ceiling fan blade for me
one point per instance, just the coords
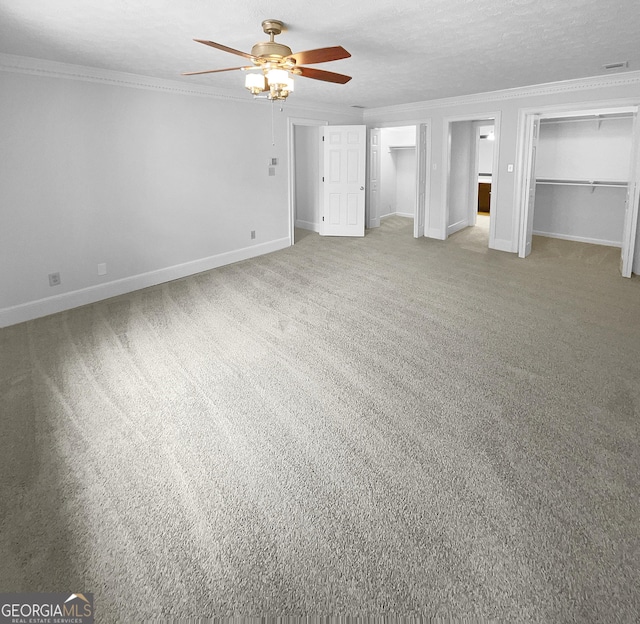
(321, 55)
(224, 48)
(213, 71)
(320, 74)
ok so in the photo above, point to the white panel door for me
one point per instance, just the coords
(344, 180)
(525, 246)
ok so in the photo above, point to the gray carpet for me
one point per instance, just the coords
(347, 427)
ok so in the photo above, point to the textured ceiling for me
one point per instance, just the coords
(402, 50)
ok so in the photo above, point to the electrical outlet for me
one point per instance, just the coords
(102, 268)
(54, 279)
(253, 234)
(273, 162)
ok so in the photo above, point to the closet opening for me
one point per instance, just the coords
(397, 172)
(399, 175)
(304, 151)
(470, 182)
(580, 180)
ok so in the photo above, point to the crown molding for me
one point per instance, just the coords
(549, 88)
(55, 69)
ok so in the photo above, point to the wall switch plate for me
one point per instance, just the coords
(253, 234)
(509, 168)
(273, 162)
(272, 171)
(102, 268)
(54, 279)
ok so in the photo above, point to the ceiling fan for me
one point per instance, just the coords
(274, 65)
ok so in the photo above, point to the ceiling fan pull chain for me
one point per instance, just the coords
(273, 132)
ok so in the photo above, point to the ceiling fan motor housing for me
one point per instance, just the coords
(271, 50)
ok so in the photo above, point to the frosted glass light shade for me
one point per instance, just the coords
(277, 77)
(289, 85)
(254, 82)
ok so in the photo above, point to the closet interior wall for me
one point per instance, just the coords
(398, 171)
(582, 169)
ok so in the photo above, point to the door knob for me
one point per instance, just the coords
(362, 188)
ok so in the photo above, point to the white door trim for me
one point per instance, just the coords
(291, 153)
(473, 206)
(530, 141)
(423, 178)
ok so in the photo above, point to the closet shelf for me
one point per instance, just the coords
(401, 147)
(591, 183)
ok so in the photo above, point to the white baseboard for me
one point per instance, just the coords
(66, 301)
(307, 225)
(408, 215)
(579, 239)
(456, 227)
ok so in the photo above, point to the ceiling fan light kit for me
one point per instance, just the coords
(274, 65)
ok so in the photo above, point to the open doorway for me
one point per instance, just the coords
(485, 141)
(399, 174)
(470, 184)
(304, 177)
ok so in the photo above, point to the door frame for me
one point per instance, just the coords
(526, 117)
(423, 174)
(496, 117)
(291, 153)
(473, 208)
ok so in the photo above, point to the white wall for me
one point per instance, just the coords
(405, 161)
(577, 213)
(155, 184)
(307, 145)
(585, 150)
(461, 171)
(618, 88)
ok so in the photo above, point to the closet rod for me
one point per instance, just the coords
(589, 183)
(604, 117)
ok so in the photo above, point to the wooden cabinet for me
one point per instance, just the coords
(484, 196)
